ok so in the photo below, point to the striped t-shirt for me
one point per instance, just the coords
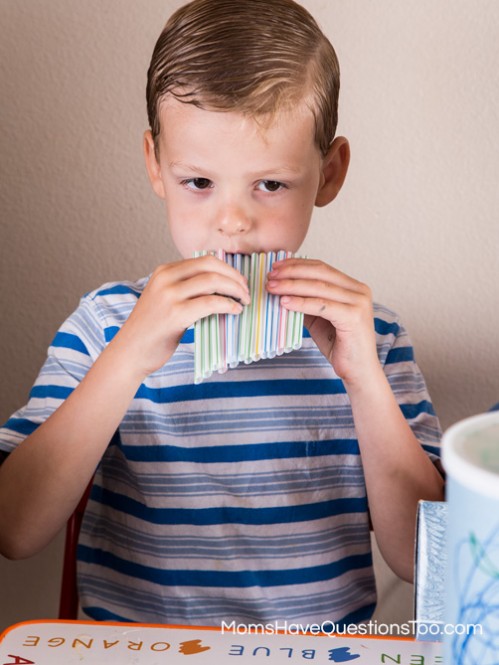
(238, 499)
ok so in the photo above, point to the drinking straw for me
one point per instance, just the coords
(261, 307)
(283, 319)
(245, 317)
(268, 309)
(253, 308)
(220, 363)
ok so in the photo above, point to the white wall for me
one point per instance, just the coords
(416, 219)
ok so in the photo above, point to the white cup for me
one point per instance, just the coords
(470, 455)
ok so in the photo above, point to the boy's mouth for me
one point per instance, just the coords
(240, 250)
(246, 250)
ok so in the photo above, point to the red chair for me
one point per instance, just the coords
(68, 603)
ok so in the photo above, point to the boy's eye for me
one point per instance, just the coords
(271, 185)
(197, 183)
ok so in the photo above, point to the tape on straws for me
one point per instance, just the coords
(263, 330)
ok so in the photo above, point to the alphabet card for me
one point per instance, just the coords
(89, 643)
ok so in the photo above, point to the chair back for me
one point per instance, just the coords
(68, 603)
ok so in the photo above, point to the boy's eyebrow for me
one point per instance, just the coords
(184, 165)
(293, 170)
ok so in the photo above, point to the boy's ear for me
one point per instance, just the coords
(152, 165)
(334, 170)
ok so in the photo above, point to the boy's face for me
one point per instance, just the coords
(229, 183)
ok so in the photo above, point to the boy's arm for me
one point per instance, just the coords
(43, 479)
(339, 315)
(397, 471)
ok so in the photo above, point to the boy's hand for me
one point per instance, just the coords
(177, 295)
(338, 313)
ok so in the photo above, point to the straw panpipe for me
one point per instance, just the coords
(264, 329)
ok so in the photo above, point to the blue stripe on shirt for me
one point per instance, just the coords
(110, 332)
(362, 614)
(21, 425)
(228, 514)
(435, 450)
(241, 452)
(69, 341)
(399, 355)
(117, 289)
(385, 328)
(188, 336)
(227, 389)
(217, 578)
(100, 614)
(413, 410)
(50, 391)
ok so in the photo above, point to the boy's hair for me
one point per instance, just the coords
(251, 56)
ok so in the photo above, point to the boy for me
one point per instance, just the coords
(250, 496)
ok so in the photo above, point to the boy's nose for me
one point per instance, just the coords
(233, 221)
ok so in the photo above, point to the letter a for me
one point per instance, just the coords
(19, 660)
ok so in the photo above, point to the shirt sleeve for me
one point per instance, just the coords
(72, 352)
(397, 356)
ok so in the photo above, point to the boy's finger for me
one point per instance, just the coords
(212, 283)
(344, 317)
(318, 288)
(296, 268)
(182, 270)
(199, 308)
